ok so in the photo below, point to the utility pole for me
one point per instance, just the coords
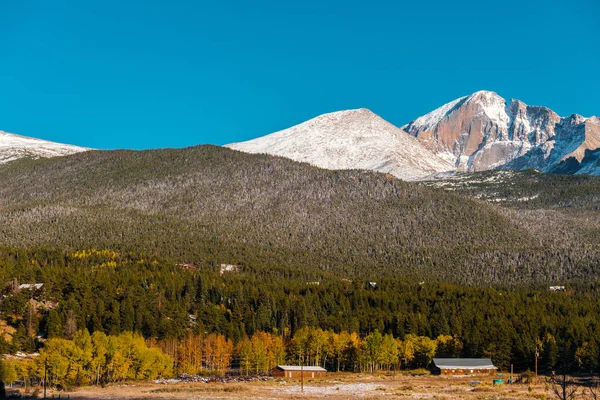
(511, 374)
(537, 354)
(302, 374)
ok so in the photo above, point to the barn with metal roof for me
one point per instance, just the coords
(463, 366)
(296, 371)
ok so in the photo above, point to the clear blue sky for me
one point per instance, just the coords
(147, 74)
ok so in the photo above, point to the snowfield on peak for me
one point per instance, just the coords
(433, 118)
(352, 139)
(493, 106)
(13, 147)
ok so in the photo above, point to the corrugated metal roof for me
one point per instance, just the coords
(298, 368)
(31, 286)
(463, 363)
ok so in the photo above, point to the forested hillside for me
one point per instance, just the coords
(129, 241)
(213, 205)
(529, 189)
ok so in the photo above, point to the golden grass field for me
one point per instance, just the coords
(335, 386)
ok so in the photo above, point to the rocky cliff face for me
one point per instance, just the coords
(585, 159)
(482, 131)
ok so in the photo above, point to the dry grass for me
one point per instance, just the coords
(334, 387)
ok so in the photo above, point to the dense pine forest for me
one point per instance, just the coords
(102, 291)
(212, 204)
(198, 258)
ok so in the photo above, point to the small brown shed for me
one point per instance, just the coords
(296, 371)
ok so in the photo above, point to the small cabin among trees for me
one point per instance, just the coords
(463, 366)
(296, 371)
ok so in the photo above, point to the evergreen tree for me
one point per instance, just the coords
(54, 324)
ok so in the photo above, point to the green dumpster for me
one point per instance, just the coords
(498, 381)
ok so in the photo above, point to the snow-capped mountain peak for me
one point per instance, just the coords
(13, 147)
(350, 139)
(492, 105)
(481, 131)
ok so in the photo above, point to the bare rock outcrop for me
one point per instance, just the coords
(482, 131)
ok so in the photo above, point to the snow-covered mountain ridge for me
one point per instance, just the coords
(478, 132)
(352, 139)
(13, 147)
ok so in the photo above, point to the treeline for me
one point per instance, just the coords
(349, 352)
(343, 351)
(111, 292)
(99, 359)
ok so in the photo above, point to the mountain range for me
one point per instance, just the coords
(478, 132)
